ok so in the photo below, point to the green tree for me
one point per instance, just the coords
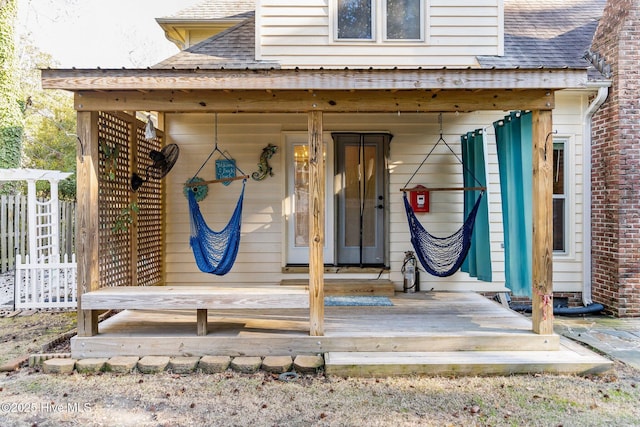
(11, 108)
(50, 122)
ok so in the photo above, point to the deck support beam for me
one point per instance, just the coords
(317, 208)
(542, 262)
(87, 234)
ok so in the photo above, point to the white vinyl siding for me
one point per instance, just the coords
(302, 34)
(263, 246)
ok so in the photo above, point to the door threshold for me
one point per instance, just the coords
(336, 269)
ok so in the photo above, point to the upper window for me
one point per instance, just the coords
(387, 20)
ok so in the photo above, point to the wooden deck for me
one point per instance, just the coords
(425, 333)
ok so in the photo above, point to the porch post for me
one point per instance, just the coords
(88, 213)
(316, 223)
(542, 271)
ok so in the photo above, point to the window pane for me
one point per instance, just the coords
(354, 19)
(558, 168)
(559, 198)
(301, 195)
(558, 225)
(403, 19)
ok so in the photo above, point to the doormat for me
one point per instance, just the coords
(336, 301)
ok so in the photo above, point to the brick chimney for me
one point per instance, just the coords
(616, 164)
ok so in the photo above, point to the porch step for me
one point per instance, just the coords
(336, 287)
(571, 358)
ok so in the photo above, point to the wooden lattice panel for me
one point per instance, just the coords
(149, 223)
(114, 197)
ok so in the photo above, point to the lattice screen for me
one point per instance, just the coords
(150, 217)
(130, 243)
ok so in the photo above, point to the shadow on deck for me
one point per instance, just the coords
(436, 333)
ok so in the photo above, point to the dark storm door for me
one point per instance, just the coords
(360, 196)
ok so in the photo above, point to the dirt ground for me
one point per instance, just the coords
(31, 398)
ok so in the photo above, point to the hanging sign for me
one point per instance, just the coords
(225, 168)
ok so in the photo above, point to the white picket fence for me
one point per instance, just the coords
(45, 284)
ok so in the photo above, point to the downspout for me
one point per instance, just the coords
(603, 92)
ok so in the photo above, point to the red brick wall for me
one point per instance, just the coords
(616, 164)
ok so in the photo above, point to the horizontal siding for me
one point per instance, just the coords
(261, 254)
(300, 34)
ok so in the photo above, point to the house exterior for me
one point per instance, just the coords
(451, 36)
(353, 80)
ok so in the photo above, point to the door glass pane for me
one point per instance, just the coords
(403, 19)
(301, 195)
(360, 195)
(354, 19)
(352, 195)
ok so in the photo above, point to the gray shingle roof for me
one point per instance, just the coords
(233, 48)
(538, 33)
(215, 9)
(546, 33)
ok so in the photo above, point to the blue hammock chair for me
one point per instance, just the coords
(441, 256)
(215, 251)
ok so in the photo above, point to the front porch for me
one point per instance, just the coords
(433, 333)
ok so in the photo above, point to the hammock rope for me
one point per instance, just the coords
(215, 251)
(442, 256)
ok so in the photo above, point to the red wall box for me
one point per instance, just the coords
(419, 199)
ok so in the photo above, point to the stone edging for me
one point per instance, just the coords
(64, 364)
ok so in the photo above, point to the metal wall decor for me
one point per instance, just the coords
(263, 167)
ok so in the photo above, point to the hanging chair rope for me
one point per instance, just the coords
(442, 256)
(442, 141)
(215, 251)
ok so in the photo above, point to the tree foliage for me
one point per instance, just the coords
(11, 114)
(50, 122)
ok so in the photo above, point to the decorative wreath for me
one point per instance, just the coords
(199, 191)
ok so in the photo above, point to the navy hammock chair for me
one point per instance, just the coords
(442, 256)
(215, 252)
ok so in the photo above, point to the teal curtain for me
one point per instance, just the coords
(515, 151)
(478, 260)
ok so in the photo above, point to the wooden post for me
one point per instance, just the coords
(542, 265)
(201, 322)
(87, 217)
(316, 223)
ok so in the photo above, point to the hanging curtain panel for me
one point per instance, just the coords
(478, 261)
(514, 144)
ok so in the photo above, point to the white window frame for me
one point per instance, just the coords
(569, 189)
(378, 25)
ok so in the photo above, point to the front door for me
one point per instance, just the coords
(361, 197)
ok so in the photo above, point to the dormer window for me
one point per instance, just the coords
(379, 20)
